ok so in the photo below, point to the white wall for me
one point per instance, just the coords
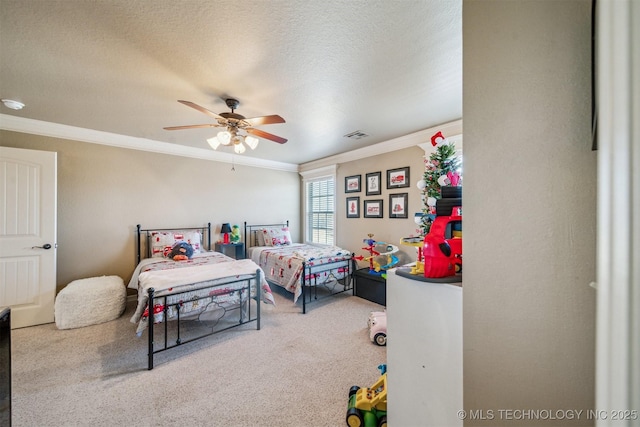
(530, 209)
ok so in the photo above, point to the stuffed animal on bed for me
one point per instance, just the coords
(181, 251)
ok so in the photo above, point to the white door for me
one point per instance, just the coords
(28, 235)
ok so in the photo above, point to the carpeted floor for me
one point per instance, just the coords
(295, 371)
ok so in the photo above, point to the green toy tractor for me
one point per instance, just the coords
(368, 406)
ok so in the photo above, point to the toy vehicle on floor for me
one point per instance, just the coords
(368, 405)
(377, 324)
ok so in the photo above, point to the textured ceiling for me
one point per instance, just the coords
(387, 68)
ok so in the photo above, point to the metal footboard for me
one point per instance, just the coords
(218, 295)
(342, 271)
(308, 276)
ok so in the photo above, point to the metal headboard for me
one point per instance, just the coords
(145, 233)
(251, 230)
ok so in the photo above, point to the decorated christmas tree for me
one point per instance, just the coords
(441, 168)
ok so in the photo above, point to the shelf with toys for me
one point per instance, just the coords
(439, 249)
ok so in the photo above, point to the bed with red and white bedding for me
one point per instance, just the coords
(310, 271)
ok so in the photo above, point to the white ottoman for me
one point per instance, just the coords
(90, 301)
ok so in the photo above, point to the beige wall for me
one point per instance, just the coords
(352, 231)
(103, 192)
(530, 209)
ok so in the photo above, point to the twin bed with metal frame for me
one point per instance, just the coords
(312, 272)
(194, 298)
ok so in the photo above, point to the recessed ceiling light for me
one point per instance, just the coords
(14, 105)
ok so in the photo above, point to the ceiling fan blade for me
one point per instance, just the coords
(265, 120)
(266, 135)
(201, 109)
(210, 125)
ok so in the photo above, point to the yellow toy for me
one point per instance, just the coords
(368, 405)
(418, 268)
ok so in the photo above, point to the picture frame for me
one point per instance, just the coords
(352, 184)
(353, 207)
(398, 205)
(398, 178)
(373, 183)
(373, 208)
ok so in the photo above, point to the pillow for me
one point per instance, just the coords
(260, 237)
(161, 242)
(277, 236)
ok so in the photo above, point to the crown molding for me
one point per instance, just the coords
(320, 172)
(55, 130)
(453, 128)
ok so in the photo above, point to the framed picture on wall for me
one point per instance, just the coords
(372, 208)
(373, 184)
(352, 184)
(353, 207)
(398, 205)
(398, 178)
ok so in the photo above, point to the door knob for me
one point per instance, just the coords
(45, 246)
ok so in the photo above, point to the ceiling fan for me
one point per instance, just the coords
(234, 123)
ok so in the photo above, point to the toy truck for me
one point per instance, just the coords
(368, 406)
(377, 324)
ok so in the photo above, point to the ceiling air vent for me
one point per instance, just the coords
(358, 134)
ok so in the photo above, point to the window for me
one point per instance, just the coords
(320, 210)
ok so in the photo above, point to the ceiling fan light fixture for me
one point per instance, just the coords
(239, 148)
(251, 141)
(232, 124)
(214, 142)
(224, 137)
